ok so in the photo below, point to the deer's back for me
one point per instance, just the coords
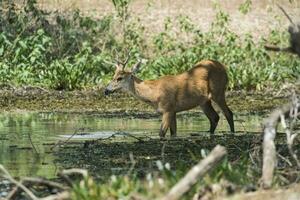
(193, 87)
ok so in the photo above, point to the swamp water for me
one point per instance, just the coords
(27, 139)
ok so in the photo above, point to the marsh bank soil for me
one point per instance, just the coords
(104, 158)
(93, 101)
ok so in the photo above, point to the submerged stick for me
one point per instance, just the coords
(67, 140)
(32, 144)
(199, 170)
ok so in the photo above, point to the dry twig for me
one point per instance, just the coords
(59, 196)
(133, 163)
(82, 172)
(29, 181)
(20, 185)
(269, 151)
(122, 134)
(294, 37)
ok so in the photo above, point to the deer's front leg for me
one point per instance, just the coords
(168, 121)
(173, 125)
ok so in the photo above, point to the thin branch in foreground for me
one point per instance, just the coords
(294, 32)
(276, 48)
(285, 13)
(290, 139)
(63, 194)
(29, 181)
(199, 170)
(269, 149)
(64, 174)
(82, 172)
(20, 185)
(59, 196)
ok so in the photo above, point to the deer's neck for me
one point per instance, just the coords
(143, 90)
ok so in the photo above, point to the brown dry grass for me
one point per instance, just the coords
(260, 20)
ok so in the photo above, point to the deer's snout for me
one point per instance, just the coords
(108, 90)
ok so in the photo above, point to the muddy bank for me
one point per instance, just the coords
(119, 104)
(105, 157)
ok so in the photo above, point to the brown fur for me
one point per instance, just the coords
(204, 83)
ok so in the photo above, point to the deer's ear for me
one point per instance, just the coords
(119, 67)
(136, 67)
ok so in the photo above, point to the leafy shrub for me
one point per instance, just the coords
(70, 50)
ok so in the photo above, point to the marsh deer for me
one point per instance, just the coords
(199, 86)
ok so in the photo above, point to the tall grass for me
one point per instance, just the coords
(70, 50)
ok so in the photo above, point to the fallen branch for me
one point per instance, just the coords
(290, 140)
(20, 185)
(276, 48)
(64, 174)
(289, 111)
(199, 170)
(122, 134)
(64, 191)
(82, 172)
(269, 149)
(59, 196)
(34, 181)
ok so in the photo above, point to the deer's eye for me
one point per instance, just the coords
(120, 78)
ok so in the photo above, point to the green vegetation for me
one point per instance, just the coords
(70, 50)
(157, 165)
(156, 185)
(241, 175)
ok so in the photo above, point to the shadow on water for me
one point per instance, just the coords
(109, 154)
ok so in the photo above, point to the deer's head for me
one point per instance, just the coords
(122, 79)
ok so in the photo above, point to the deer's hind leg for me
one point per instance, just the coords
(168, 121)
(220, 101)
(211, 114)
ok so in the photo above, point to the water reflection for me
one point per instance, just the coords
(20, 158)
